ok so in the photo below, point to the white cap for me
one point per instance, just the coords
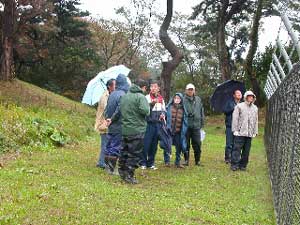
(190, 86)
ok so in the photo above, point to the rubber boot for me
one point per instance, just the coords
(186, 158)
(110, 164)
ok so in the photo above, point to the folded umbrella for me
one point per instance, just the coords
(224, 92)
(97, 85)
(165, 138)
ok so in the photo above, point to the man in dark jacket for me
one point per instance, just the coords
(195, 118)
(113, 118)
(154, 125)
(134, 109)
(228, 110)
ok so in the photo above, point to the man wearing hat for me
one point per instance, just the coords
(194, 113)
(244, 128)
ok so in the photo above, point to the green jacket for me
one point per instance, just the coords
(134, 109)
(194, 111)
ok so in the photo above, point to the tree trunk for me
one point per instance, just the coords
(224, 62)
(177, 56)
(248, 65)
(7, 71)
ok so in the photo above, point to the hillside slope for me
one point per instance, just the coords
(32, 118)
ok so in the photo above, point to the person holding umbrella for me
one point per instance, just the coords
(134, 109)
(244, 128)
(194, 113)
(113, 119)
(228, 110)
(100, 124)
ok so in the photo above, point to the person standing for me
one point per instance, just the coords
(177, 123)
(113, 119)
(154, 120)
(134, 109)
(228, 110)
(100, 123)
(194, 112)
(244, 128)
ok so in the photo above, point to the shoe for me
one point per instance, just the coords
(227, 161)
(130, 180)
(153, 167)
(100, 166)
(143, 167)
(167, 165)
(186, 163)
(179, 166)
(242, 168)
(234, 168)
(197, 164)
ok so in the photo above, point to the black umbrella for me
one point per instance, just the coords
(165, 138)
(224, 92)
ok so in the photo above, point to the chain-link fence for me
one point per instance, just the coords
(282, 140)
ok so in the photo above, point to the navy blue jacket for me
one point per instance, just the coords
(112, 109)
(228, 110)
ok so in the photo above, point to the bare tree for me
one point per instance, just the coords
(8, 24)
(177, 56)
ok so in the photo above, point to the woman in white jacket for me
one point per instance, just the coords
(244, 128)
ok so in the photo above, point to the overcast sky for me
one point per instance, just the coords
(105, 9)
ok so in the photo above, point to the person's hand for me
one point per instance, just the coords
(254, 135)
(162, 117)
(235, 133)
(153, 102)
(108, 122)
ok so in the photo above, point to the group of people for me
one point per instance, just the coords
(132, 122)
(241, 121)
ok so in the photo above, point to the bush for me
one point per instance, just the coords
(39, 129)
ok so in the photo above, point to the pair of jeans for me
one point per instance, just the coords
(177, 142)
(113, 144)
(103, 141)
(150, 144)
(193, 135)
(240, 152)
(229, 143)
(131, 154)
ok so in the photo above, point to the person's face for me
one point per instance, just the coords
(154, 89)
(112, 87)
(190, 92)
(250, 98)
(144, 89)
(177, 99)
(237, 95)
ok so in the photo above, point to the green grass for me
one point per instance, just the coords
(65, 187)
(52, 185)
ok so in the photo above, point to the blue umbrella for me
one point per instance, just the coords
(97, 85)
(224, 92)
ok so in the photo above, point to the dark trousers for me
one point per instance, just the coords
(150, 144)
(193, 135)
(177, 142)
(131, 155)
(113, 144)
(240, 152)
(229, 143)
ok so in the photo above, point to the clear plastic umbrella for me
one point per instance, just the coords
(97, 85)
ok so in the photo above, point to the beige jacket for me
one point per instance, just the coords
(100, 125)
(245, 120)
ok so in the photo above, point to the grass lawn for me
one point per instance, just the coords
(63, 186)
